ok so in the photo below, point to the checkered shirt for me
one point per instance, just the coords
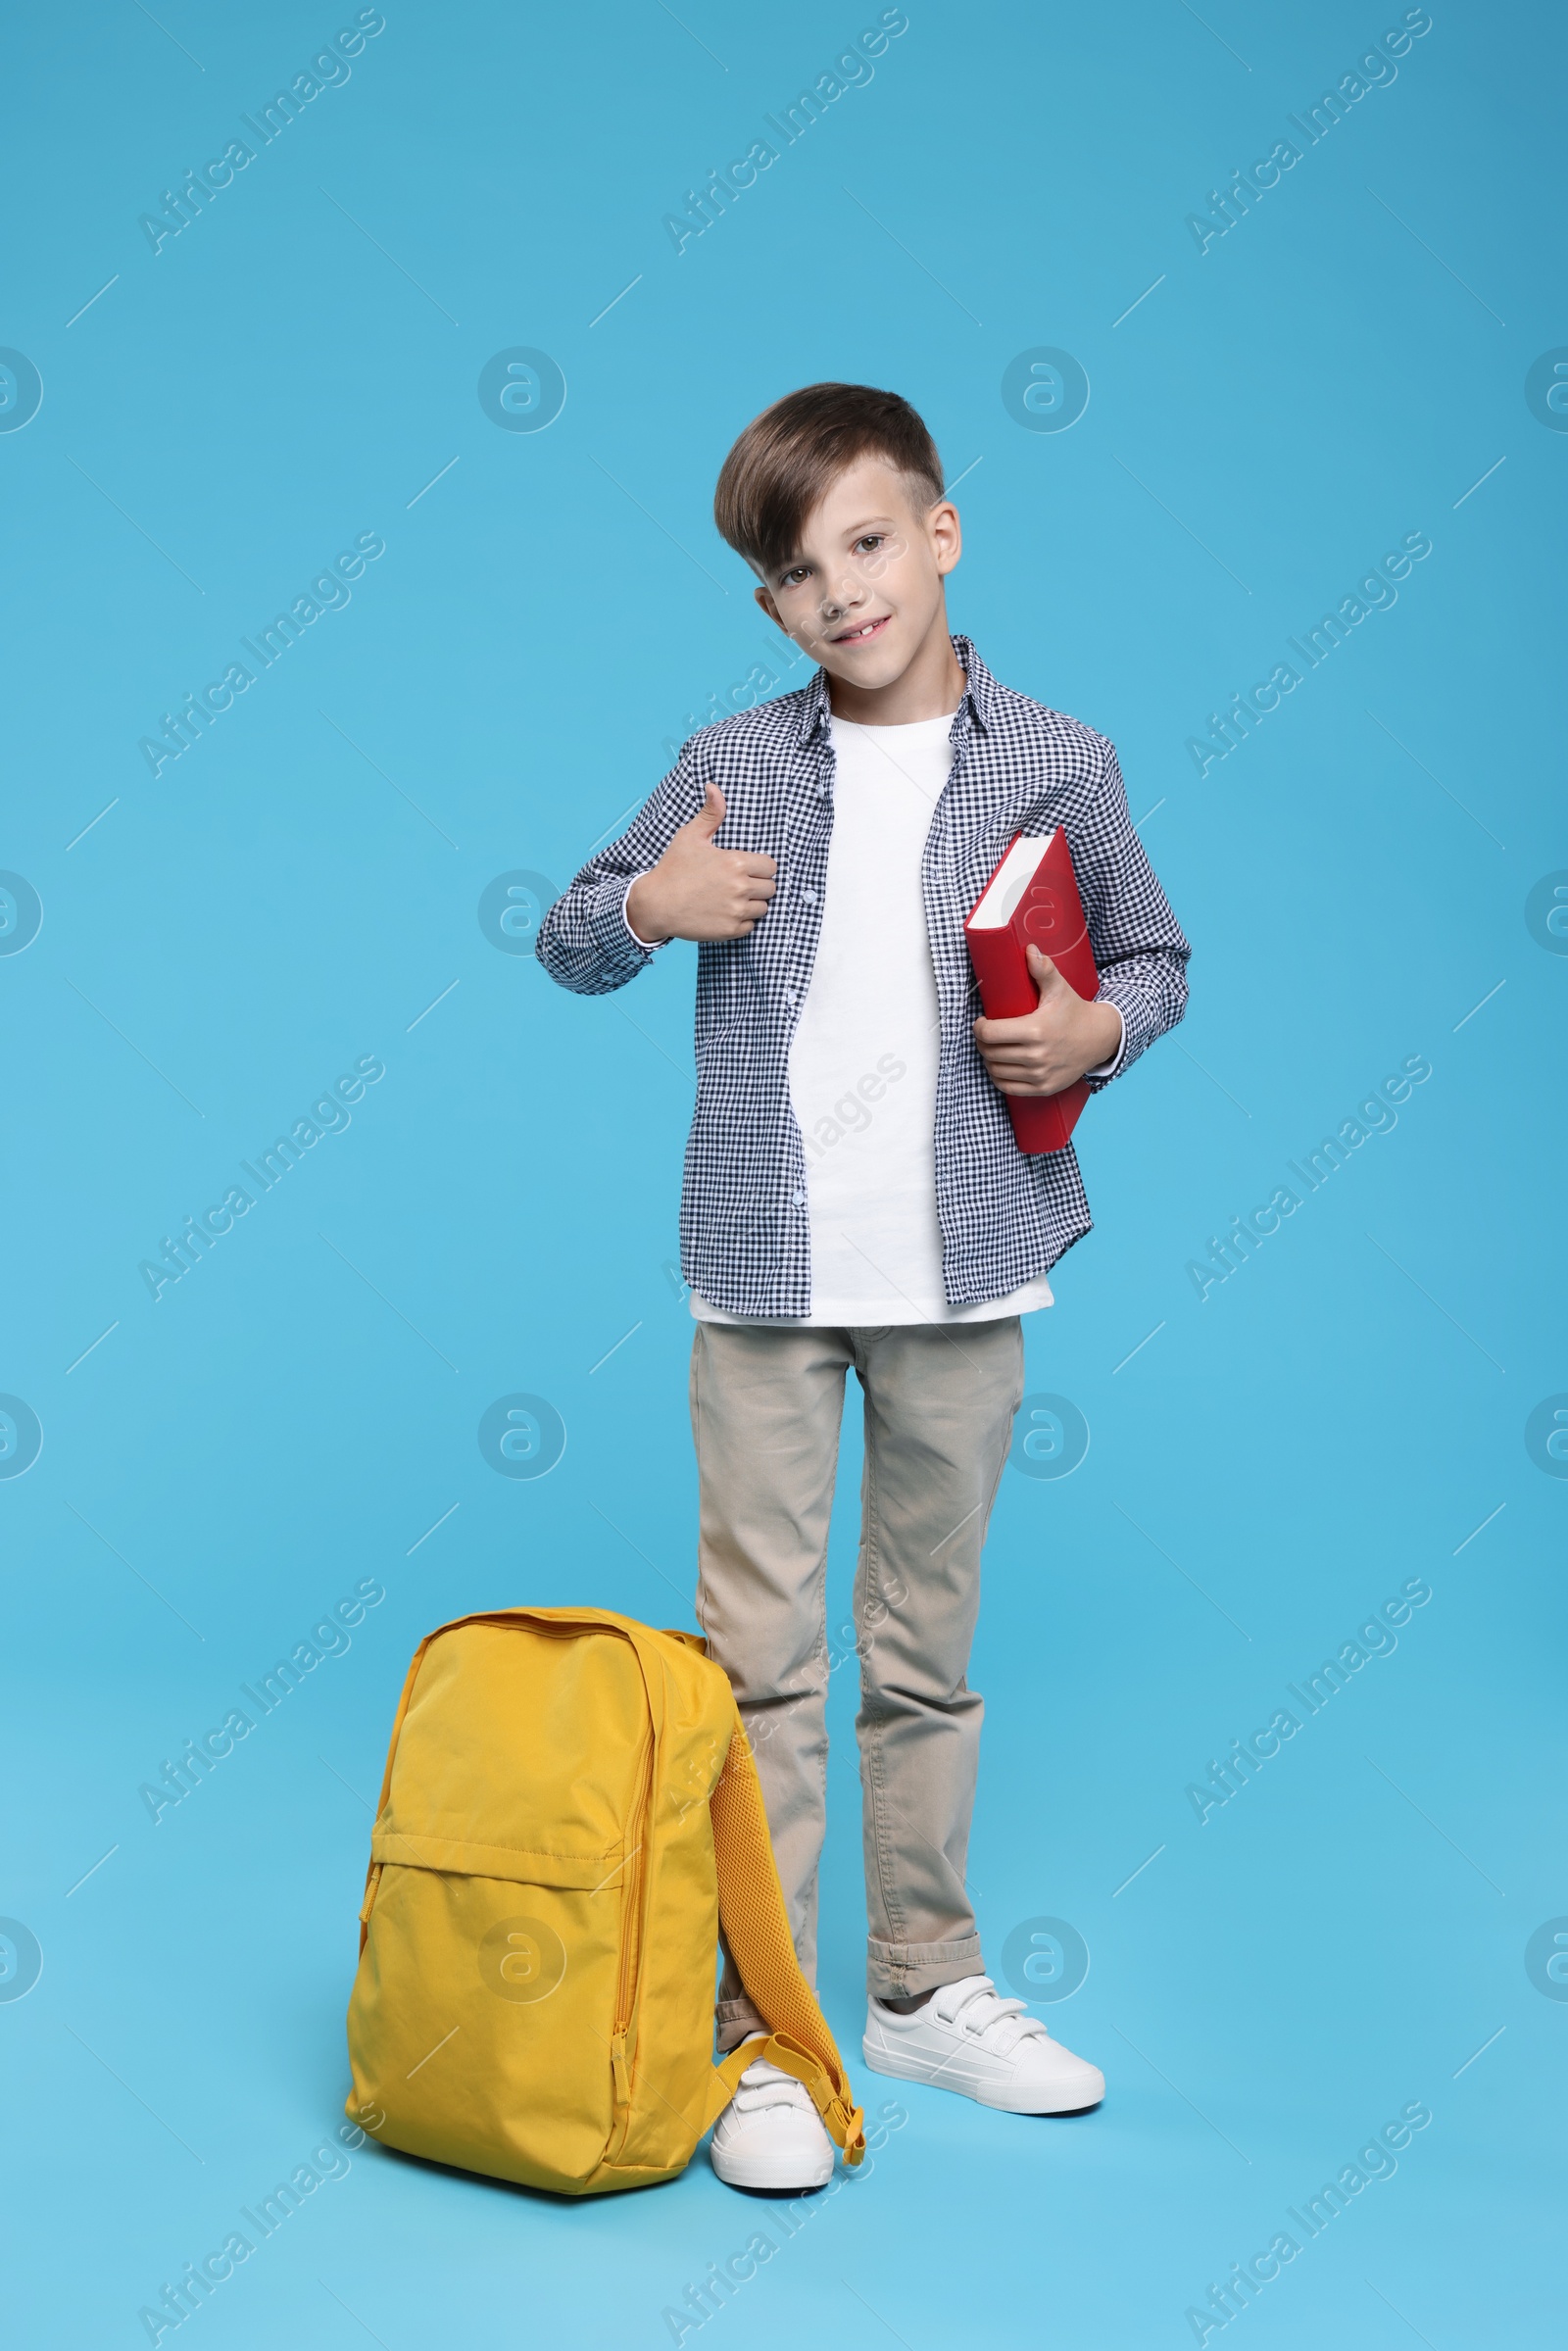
(1017, 767)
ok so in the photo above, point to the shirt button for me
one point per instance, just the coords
(791, 996)
(810, 896)
(799, 1200)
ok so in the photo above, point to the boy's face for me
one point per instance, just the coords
(863, 591)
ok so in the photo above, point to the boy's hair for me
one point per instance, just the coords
(789, 455)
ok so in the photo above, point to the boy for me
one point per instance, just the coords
(854, 1195)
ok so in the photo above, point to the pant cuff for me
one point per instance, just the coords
(902, 1971)
(734, 2019)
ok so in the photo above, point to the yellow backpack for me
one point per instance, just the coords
(569, 1811)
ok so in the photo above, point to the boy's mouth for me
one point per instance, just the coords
(864, 634)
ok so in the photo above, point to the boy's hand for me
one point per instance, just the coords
(699, 892)
(1050, 1046)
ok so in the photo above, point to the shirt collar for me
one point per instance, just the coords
(980, 690)
(981, 686)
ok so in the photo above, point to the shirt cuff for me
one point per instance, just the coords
(1105, 1070)
(648, 946)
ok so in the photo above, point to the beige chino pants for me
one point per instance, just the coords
(767, 1403)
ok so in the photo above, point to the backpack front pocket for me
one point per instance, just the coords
(483, 2022)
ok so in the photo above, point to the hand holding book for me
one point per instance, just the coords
(1050, 1047)
(1042, 1027)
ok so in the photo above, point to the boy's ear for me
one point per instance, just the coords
(764, 597)
(947, 534)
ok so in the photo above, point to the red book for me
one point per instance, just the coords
(1032, 900)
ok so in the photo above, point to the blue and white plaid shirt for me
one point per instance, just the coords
(1017, 767)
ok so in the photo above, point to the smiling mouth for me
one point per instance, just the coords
(864, 633)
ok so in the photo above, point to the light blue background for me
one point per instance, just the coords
(293, 893)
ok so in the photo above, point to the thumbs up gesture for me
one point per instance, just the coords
(696, 891)
(1051, 1047)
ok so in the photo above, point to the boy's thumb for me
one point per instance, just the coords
(710, 816)
(1041, 967)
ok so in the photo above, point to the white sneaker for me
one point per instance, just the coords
(770, 2134)
(967, 2040)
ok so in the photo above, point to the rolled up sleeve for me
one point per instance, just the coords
(1108, 1069)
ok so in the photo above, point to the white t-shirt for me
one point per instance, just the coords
(863, 1056)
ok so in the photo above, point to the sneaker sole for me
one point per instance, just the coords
(763, 2175)
(882, 2061)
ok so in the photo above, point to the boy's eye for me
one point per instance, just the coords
(793, 579)
(872, 539)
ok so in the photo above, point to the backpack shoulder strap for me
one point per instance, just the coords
(751, 1910)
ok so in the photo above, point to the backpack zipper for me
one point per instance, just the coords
(631, 1920)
